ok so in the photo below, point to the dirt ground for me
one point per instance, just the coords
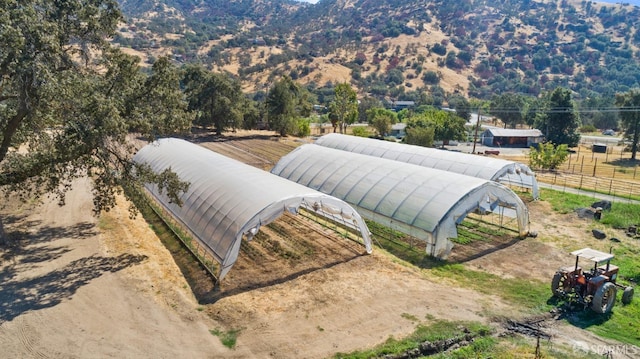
(76, 286)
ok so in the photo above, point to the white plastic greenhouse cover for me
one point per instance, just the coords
(228, 199)
(490, 168)
(423, 202)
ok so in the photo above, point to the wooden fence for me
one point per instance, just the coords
(610, 186)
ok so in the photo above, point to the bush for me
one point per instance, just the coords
(547, 156)
(588, 128)
(360, 131)
(303, 128)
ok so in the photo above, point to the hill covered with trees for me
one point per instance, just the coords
(399, 49)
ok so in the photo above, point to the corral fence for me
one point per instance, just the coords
(609, 186)
(598, 165)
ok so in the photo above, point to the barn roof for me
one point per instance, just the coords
(509, 132)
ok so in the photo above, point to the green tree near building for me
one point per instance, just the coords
(547, 156)
(445, 125)
(628, 104)
(381, 120)
(508, 107)
(560, 121)
(419, 134)
(343, 110)
(71, 100)
(461, 105)
(285, 103)
(364, 105)
(216, 98)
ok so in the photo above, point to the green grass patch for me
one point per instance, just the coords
(621, 324)
(438, 331)
(562, 202)
(532, 295)
(106, 224)
(621, 215)
(410, 317)
(228, 338)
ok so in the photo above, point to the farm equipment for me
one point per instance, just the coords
(596, 287)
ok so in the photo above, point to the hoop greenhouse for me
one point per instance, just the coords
(228, 200)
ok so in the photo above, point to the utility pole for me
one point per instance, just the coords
(475, 135)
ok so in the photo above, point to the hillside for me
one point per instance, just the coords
(399, 49)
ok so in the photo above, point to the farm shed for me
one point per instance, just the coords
(228, 199)
(489, 168)
(506, 137)
(425, 203)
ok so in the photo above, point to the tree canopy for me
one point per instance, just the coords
(286, 101)
(343, 110)
(629, 107)
(216, 98)
(508, 107)
(68, 101)
(559, 121)
(381, 120)
(441, 125)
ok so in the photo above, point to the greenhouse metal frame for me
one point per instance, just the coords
(490, 168)
(228, 200)
(423, 202)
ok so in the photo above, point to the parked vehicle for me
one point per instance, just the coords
(596, 287)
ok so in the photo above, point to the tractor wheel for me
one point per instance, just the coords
(559, 283)
(605, 298)
(627, 295)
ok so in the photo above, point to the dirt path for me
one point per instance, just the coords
(72, 289)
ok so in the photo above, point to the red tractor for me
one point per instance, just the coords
(595, 287)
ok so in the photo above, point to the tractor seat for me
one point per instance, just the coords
(604, 268)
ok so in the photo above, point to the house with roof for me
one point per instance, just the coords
(507, 137)
(401, 105)
(398, 130)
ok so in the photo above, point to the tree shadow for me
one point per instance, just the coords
(624, 162)
(21, 296)
(577, 314)
(27, 249)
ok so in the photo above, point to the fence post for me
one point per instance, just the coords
(610, 184)
(581, 164)
(594, 167)
(580, 185)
